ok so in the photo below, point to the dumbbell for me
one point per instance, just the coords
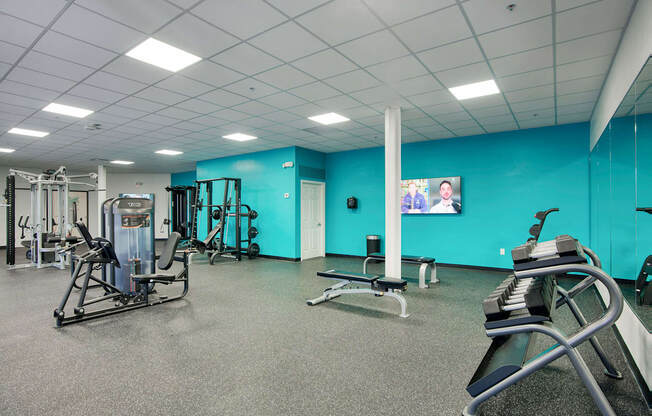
(507, 297)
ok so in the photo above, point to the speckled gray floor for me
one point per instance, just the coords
(245, 343)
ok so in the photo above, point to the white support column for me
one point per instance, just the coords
(393, 192)
(101, 196)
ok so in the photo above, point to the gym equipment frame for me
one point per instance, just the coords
(424, 263)
(48, 236)
(101, 253)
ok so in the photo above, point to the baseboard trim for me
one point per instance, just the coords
(640, 380)
(458, 266)
(292, 259)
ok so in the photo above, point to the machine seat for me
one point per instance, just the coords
(354, 277)
(159, 277)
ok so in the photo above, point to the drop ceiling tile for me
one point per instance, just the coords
(352, 17)
(528, 94)
(281, 116)
(498, 127)
(285, 77)
(35, 11)
(453, 55)
(533, 106)
(257, 122)
(65, 47)
(489, 112)
(243, 18)
(451, 118)
(195, 36)
(578, 98)
(434, 29)
(19, 100)
(80, 23)
(63, 69)
(483, 102)
(519, 38)
(95, 93)
(526, 80)
(361, 112)
(10, 53)
(417, 85)
(588, 47)
(575, 108)
(282, 100)
(600, 16)
(296, 7)
(159, 119)
(223, 98)
(114, 83)
(583, 69)
(6, 109)
(431, 98)
(397, 70)
(251, 88)
(352, 81)
(185, 86)
(144, 15)
(393, 12)
(211, 73)
(39, 79)
(305, 110)
(246, 59)
(199, 106)
(178, 113)
(162, 96)
(17, 31)
(338, 104)
(580, 85)
(374, 48)
(487, 16)
(29, 91)
(208, 121)
(522, 62)
(324, 64)
(254, 108)
(465, 75)
(80, 102)
(140, 104)
(136, 70)
(127, 111)
(381, 94)
(315, 91)
(439, 109)
(189, 125)
(288, 42)
(574, 117)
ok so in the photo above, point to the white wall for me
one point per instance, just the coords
(634, 50)
(142, 183)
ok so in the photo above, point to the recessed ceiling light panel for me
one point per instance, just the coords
(239, 137)
(477, 89)
(328, 118)
(67, 110)
(164, 56)
(6, 150)
(168, 152)
(122, 162)
(27, 132)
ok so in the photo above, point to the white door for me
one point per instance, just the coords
(312, 219)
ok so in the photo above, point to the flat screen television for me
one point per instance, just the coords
(431, 195)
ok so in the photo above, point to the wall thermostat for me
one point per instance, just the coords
(352, 202)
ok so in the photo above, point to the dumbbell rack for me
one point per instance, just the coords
(522, 306)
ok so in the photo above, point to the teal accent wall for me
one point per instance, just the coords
(183, 178)
(621, 236)
(264, 182)
(506, 178)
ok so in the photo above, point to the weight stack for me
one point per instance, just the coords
(10, 194)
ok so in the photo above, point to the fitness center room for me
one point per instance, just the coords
(325, 207)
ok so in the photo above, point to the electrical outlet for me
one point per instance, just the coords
(502, 251)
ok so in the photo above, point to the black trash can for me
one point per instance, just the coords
(373, 244)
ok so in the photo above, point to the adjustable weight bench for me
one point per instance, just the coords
(423, 262)
(379, 286)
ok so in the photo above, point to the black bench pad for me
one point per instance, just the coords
(153, 276)
(388, 283)
(404, 259)
(354, 277)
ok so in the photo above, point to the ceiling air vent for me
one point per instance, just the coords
(93, 126)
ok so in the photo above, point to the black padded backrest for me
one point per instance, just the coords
(83, 230)
(167, 256)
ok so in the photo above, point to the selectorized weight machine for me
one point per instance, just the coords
(50, 227)
(182, 212)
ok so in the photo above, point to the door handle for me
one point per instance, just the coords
(319, 224)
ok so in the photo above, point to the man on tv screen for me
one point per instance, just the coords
(446, 205)
(413, 202)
